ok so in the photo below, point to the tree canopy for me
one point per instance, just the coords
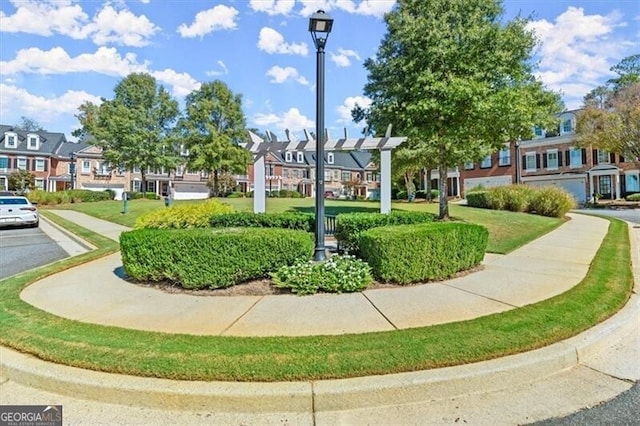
(211, 130)
(135, 128)
(456, 80)
(610, 119)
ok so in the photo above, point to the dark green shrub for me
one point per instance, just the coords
(551, 201)
(134, 195)
(183, 216)
(301, 221)
(478, 199)
(432, 251)
(151, 196)
(401, 195)
(44, 198)
(633, 197)
(211, 258)
(350, 225)
(235, 195)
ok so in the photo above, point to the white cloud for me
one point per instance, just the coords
(106, 60)
(18, 102)
(375, 8)
(271, 41)
(217, 18)
(224, 70)
(121, 27)
(344, 110)
(272, 7)
(46, 18)
(292, 120)
(280, 75)
(181, 83)
(342, 58)
(577, 51)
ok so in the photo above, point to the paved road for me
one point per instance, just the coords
(22, 249)
(624, 409)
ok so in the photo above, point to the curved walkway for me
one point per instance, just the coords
(96, 293)
(553, 381)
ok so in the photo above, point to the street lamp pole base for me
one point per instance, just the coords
(320, 255)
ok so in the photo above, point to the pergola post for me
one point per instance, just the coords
(385, 181)
(259, 185)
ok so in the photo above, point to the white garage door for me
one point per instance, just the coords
(487, 182)
(575, 187)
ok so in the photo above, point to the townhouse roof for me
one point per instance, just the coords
(50, 142)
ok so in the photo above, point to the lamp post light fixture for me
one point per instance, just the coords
(72, 169)
(320, 25)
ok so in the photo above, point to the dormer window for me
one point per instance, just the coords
(300, 157)
(33, 141)
(567, 126)
(288, 157)
(538, 132)
(330, 158)
(10, 140)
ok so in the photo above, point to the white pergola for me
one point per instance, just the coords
(260, 147)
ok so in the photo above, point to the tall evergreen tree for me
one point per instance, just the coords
(456, 80)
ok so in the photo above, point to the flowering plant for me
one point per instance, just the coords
(338, 274)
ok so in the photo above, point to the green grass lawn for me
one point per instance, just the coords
(507, 230)
(23, 327)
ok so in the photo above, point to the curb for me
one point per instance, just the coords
(326, 395)
(84, 244)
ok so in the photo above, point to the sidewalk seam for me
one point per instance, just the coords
(380, 312)
(234, 322)
(622, 379)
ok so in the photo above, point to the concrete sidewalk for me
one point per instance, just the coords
(552, 381)
(97, 293)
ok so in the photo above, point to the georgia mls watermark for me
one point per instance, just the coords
(30, 415)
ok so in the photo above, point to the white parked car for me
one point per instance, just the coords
(18, 211)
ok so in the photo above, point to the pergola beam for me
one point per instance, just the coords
(260, 147)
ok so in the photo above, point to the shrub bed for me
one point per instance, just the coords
(210, 258)
(633, 197)
(183, 216)
(289, 220)
(45, 198)
(338, 274)
(545, 201)
(432, 251)
(350, 225)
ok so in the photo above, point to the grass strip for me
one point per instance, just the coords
(605, 289)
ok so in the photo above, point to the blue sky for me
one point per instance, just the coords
(56, 54)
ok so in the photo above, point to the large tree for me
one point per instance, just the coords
(27, 124)
(456, 80)
(211, 130)
(135, 128)
(610, 118)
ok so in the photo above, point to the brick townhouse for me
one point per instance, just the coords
(553, 158)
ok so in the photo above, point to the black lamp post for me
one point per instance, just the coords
(72, 169)
(320, 25)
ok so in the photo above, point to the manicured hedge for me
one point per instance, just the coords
(210, 258)
(350, 225)
(289, 220)
(44, 198)
(433, 251)
(549, 201)
(183, 216)
(633, 197)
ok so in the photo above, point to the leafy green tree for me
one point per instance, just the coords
(27, 124)
(136, 127)
(455, 79)
(616, 128)
(211, 130)
(21, 181)
(628, 70)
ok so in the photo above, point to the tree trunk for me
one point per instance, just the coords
(216, 190)
(143, 176)
(408, 183)
(442, 168)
